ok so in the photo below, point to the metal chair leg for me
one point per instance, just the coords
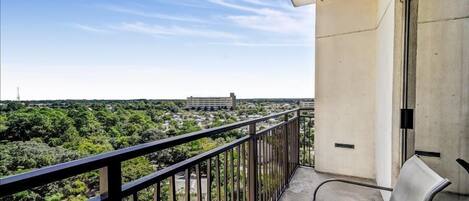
(348, 182)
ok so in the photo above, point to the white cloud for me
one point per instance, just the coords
(234, 6)
(191, 4)
(273, 21)
(282, 44)
(279, 20)
(158, 30)
(90, 28)
(270, 3)
(124, 10)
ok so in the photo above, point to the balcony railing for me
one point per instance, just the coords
(257, 166)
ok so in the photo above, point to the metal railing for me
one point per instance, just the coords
(306, 148)
(257, 166)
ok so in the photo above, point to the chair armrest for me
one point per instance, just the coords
(463, 164)
(349, 182)
(437, 189)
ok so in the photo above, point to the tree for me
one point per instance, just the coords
(107, 119)
(52, 125)
(85, 122)
(17, 157)
(189, 126)
(152, 135)
(3, 124)
(92, 145)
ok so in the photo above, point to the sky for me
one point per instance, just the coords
(156, 49)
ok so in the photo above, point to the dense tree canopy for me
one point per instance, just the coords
(38, 134)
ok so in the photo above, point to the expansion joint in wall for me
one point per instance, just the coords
(378, 24)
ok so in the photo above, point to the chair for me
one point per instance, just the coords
(416, 182)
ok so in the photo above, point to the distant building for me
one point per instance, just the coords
(306, 104)
(211, 103)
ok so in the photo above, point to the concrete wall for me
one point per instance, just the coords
(385, 33)
(359, 85)
(345, 86)
(358, 62)
(442, 92)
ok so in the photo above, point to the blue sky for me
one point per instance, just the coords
(120, 49)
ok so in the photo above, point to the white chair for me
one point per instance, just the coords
(416, 182)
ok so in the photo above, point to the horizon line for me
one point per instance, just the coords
(137, 99)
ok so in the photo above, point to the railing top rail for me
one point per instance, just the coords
(34, 178)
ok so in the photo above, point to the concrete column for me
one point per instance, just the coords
(345, 86)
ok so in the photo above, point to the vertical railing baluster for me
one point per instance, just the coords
(232, 175)
(135, 196)
(286, 149)
(270, 164)
(274, 165)
(304, 141)
(280, 157)
(290, 148)
(307, 141)
(110, 181)
(264, 158)
(298, 115)
(238, 181)
(209, 180)
(252, 163)
(277, 164)
(217, 177)
(260, 166)
(264, 165)
(283, 157)
(267, 175)
(199, 182)
(172, 188)
(279, 160)
(298, 145)
(267, 165)
(225, 174)
(297, 130)
(187, 186)
(310, 142)
(245, 175)
(295, 148)
(157, 194)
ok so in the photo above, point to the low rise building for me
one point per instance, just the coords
(211, 103)
(306, 104)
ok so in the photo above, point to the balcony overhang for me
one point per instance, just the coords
(298, 3)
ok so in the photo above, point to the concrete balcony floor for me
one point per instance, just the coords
(307, 179)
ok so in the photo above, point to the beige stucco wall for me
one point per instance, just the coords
(345, 86)
(442, 93)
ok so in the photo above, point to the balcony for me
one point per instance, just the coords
(382, 94)
(279, 167)
(258, 166)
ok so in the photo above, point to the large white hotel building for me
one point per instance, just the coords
(211, 102)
